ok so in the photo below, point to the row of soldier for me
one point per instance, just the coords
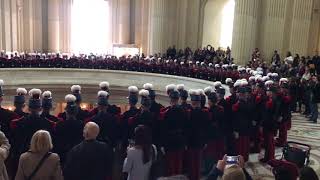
(180, 67)
(239, 124)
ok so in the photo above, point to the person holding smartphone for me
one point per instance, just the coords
(230, 168)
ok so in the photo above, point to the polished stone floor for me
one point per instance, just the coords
(301, 131)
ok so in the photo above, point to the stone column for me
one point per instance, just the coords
(245, 29)
(53, 25)
(301, 23)
(124, 22)
(157, 25)
(7, 25)
(141, 25)
(272, 25)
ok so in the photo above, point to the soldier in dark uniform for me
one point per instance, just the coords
(81, 114)
(215, 149)
(109, 123)
(268, 123)
(133, 110)
(241, 121)
(47, 106)
(113, 109)
(285, 112)
(69, 130)
(6, 115)
(196, 125)
(183, 97)
(173, 139)
(19, 102)
(155, 109)
(23, 128)
(258, 100)
(155, 106)
(144, 116)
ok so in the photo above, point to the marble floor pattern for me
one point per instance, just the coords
(301, 131)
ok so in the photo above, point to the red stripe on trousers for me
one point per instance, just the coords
(194, 162)
(243, 146)
(268, 145)
(174, 161)
(283, 133)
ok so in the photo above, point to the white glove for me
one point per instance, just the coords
(254, 123)
(236, 135)
(280, 119)
(162, 150)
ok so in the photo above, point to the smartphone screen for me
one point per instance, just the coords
(232, 159)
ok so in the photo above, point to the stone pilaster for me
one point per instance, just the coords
(301, 23)
(245, 29)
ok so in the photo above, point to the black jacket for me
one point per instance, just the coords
(89, 160)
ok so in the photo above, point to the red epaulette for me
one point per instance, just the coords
(228, 99)
(53, 124)
(287, 99)
(269, 104)
(235, 107)
(258, 99)
(60, 115)
(60, 120)
(13, 123)
(163, 113)
(93, 111)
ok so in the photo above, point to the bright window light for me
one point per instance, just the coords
(90, 30)
(227, 24)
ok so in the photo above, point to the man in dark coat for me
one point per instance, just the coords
(6, 115)
(215, 149)
(113, 109)
(81, 114)
(133, 110)
(19, 102)
(91, 159)
(241, 121)
(173, 121)
(68, 131)
(109, 123)
(183, 97)
(196, 125)
(47, 106)
(268, 124)
(284, 120)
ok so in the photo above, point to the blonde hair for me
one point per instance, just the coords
(41, 142)
(233, 173)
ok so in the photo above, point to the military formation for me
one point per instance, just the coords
(212, 71)
(198, 124)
